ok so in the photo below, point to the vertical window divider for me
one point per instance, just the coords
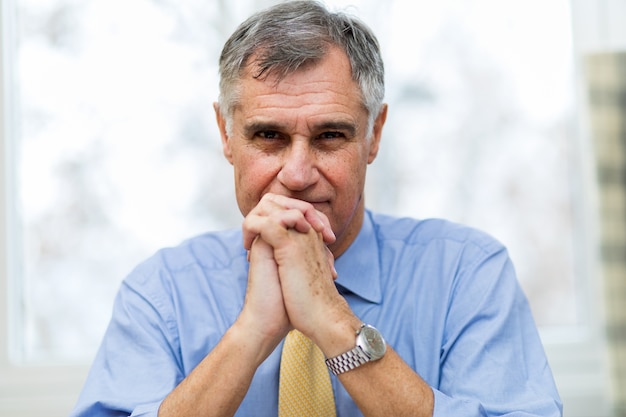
(33, 389)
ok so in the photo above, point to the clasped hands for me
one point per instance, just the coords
(290, 279)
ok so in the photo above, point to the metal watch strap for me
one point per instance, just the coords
(347, 361)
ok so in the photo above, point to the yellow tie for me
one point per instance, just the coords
(305, 388)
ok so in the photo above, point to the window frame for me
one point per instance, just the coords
(578, 355)
(25, 389)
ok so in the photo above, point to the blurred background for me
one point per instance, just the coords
(507, 115)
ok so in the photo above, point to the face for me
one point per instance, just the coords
(306, 138)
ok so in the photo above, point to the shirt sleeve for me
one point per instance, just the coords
(492, 360)
(136, 366)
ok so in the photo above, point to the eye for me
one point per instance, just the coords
(331, 135)
(268, 134)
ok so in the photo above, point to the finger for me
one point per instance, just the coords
(279, 220)
(293, 219)
(326, 230)
(252, 223)
(315, 218)
(331, 263)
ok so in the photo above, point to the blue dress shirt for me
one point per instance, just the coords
(444, 296)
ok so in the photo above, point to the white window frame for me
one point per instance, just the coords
(582, 367)
(25, 389)
(578, 358)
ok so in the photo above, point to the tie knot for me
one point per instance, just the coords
(299, 342)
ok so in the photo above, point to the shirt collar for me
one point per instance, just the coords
(358, 268)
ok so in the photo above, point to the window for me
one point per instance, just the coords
(112, 153)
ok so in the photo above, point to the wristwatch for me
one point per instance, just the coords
(370, 346)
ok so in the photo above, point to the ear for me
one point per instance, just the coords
(377, 132)
(221, 124)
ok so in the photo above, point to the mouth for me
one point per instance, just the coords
(316, 202)
(319, 205)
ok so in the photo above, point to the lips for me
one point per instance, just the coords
(315, 201)
(319, 204)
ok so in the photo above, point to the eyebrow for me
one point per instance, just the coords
(254, 127)
(348, 127)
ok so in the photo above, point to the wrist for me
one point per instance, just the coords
(337, 336)
(370, 346)
(252, 340)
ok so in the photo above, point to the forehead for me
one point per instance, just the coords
(323, 87)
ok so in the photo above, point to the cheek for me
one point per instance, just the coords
(252, 178)
(347, 178)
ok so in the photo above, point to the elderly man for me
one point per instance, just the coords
(420, 318)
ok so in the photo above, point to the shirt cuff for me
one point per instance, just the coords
(147, 410)
(447, 406)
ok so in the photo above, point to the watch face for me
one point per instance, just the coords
(374, 344)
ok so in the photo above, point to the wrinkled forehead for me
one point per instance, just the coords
(334, 59)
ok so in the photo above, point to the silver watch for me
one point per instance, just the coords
(370, 346)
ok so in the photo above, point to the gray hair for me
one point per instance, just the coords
(289, 35)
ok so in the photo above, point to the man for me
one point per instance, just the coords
(199, 330)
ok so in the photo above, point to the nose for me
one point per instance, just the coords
(299, 170)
